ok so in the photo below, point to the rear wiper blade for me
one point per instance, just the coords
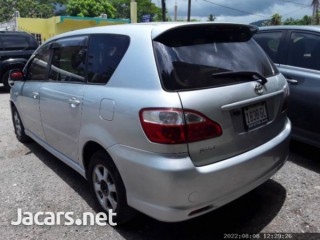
(255, 75)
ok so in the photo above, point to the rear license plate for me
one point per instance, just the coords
(255, 115)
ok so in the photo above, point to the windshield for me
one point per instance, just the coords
(190, 64)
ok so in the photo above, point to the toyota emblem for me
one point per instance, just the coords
(258, 89)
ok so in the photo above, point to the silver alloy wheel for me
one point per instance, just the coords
(17, 124)
(105, 188)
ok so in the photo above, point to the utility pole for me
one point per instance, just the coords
(175, 12)
(189, 10)
(133, 11)
(163, 7)
(315, 12)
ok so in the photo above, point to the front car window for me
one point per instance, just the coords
(37, 70)
(304, 50)
(187, 58)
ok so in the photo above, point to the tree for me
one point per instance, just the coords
(306, 20)
(144, 7)
(90, 8)
(211, 18)
(6, 10)
(291, 21)
(276, 19)
(28, 8)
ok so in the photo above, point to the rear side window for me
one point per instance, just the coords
(304, 50)
(69, 60)
(105, 54)
(270, 41)
(188, 58)
(18, 42)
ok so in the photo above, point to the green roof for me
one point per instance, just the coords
(97, 19)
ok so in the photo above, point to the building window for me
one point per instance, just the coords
(37, 36)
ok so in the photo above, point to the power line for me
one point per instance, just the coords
(234, 9)
(259, 15)
(294, 11)
(301, 4)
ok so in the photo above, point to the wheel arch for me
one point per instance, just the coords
(89, 149)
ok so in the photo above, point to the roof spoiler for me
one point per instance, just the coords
(205, 33)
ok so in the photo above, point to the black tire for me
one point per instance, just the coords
(18, 127)
(109, 193)
(5, 82)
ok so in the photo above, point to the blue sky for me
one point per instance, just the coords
(248, 10)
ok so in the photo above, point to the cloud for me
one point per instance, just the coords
(246, 10)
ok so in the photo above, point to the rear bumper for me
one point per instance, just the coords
(170, 188)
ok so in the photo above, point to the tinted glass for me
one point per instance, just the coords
(189, 64)
(18, 42)
(304, 50)
(38, 67)
(270, 41)
(105, 54)
(69, 60)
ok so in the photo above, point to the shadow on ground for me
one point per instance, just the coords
(249, 214)
(67, 174)
(2, 90)
(308, 156)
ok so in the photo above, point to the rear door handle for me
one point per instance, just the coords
(35, 95)
(292, 81)
(74, 102)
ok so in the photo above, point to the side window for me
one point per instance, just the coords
(69, 59)
(270, 41)
(37, 69)
(14, 42)
(105, 54)
(304, 50)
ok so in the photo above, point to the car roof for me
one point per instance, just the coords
(292, 27)
(13, 32)
(154, 28)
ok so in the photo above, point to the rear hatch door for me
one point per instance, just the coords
(221, 73)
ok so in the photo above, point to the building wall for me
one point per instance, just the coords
(60, 24)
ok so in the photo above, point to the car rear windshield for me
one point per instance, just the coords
(189, 57)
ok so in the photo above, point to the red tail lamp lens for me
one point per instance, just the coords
(173, 126)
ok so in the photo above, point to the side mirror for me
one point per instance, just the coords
(15, 75)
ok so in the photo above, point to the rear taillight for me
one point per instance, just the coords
(172, 126)
(285, 104)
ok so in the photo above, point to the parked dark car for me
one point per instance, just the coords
(15, 49)
(296, 52)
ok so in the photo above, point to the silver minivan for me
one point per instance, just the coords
(173, 120)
